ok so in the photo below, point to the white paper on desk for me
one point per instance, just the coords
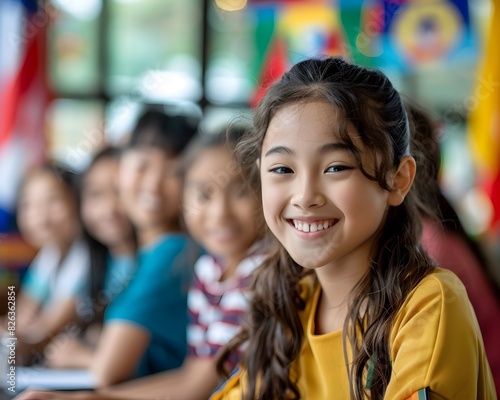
(53, 379)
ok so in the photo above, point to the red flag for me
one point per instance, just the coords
(275, 65)
(23, 101)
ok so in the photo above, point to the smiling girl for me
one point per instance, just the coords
(350, 306)
(48, 219)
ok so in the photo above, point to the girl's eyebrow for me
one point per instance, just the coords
(280, 150)
(327, 148)
(332, 147)
(195, 184)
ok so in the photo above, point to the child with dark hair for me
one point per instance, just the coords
(349, 306)
(153, 121)
(446, 241)
(111, 236)
(47, 216)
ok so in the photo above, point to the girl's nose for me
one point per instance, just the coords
(308, 194)
(219, 207)
(153, 181)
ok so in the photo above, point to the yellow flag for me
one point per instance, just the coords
(484, 118)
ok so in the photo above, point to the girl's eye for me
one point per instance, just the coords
(140, 167)
(92, 193)
(281, 170)
(202, 196)
(337, 168)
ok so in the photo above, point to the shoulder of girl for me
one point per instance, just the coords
(440, 290)
(440, 282)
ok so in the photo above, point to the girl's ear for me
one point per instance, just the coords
(402, 180)
(257, 162)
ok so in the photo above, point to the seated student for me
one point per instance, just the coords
(225, 218)
(350, 306)
(48, 219)
(446, 241)
(112, 246)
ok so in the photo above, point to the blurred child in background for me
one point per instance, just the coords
(108, 231)
(48, 219)
(224, 216)
(446, 241)
(112, 244)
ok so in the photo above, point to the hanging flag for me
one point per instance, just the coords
(484, 119)
(369, 38)
(23, 96)
(275, 65)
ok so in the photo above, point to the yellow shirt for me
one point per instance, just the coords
(435, 342)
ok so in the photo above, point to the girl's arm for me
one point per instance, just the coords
(119, 351)
(196, 379)
(54, 318)
(69, 352)
(26, 311)
(36, 330)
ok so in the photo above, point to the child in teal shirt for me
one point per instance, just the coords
(155, 300)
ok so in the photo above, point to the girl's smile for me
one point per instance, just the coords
(312, 228)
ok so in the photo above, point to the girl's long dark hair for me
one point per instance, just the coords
(98, 252)
(366, 100)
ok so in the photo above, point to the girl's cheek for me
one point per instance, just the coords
(128, 175)
(270, 200)
(127, 189)
(88, 212)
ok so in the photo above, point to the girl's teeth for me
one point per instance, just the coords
(314, 227)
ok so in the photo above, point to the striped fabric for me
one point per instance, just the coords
(216, 307)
